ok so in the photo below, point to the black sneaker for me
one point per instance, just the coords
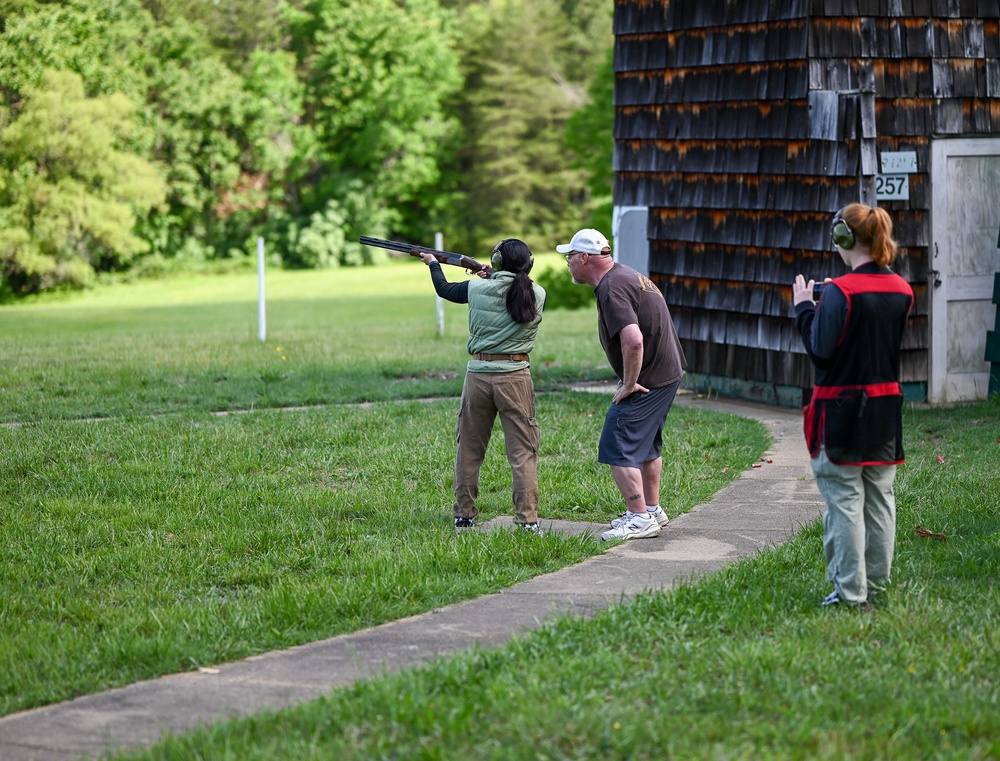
(461, 524)
(527, 528)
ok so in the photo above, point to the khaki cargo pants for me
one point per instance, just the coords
(484, 396)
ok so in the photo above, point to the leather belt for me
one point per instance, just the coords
(494, 357)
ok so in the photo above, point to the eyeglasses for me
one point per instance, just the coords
(571, 254)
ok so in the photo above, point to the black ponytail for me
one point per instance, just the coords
(520, 299)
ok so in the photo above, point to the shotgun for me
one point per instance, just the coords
(445, 257)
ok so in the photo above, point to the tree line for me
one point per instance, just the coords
(143, 135)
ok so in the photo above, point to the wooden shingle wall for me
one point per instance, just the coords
(744, 124)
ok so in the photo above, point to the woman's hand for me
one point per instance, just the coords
(802, 290)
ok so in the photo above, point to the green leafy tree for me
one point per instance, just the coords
(237, 29)
(376, 74)
(589, 135)
(102, 42)
(69, 196)
(521, 60)
(225, 139)
(587, 37)
(313, 121)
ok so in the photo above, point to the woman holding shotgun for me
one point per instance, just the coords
(505, 308)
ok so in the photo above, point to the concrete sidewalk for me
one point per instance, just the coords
(764, 507)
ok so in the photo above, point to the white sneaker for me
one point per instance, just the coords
(633, 526)
(659, 515)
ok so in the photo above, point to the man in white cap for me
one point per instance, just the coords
(642, 347)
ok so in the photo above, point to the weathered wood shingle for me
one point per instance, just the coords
(743, 125)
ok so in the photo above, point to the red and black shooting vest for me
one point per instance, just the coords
(856, 411)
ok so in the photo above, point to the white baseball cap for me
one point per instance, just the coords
(588, 241)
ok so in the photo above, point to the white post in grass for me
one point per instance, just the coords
(439, 245)
(261, 321)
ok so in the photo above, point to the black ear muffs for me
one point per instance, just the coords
(842, 233)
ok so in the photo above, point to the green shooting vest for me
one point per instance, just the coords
(491, 329)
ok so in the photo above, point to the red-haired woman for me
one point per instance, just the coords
(854, 423)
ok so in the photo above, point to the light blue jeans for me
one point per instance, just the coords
(859, 525)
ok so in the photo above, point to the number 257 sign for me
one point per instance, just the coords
(892, 187)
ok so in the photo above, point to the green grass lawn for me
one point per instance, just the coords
(164, 536)
(346, 335)
(742, 665)
(141, 534)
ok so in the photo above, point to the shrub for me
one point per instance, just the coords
(562, 292)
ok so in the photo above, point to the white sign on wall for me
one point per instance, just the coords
(894, 182)
(904, 162)
(892, 187)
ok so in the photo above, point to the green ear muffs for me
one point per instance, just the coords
(496, 259)
(842, 234)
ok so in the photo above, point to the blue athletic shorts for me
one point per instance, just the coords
(633, 428)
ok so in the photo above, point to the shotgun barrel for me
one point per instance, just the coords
(445, 257)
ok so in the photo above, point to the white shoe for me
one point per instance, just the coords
(659, 515)
(633, 526)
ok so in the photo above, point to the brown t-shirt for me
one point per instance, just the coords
(626, 297)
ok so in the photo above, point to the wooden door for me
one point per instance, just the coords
(965, 234)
